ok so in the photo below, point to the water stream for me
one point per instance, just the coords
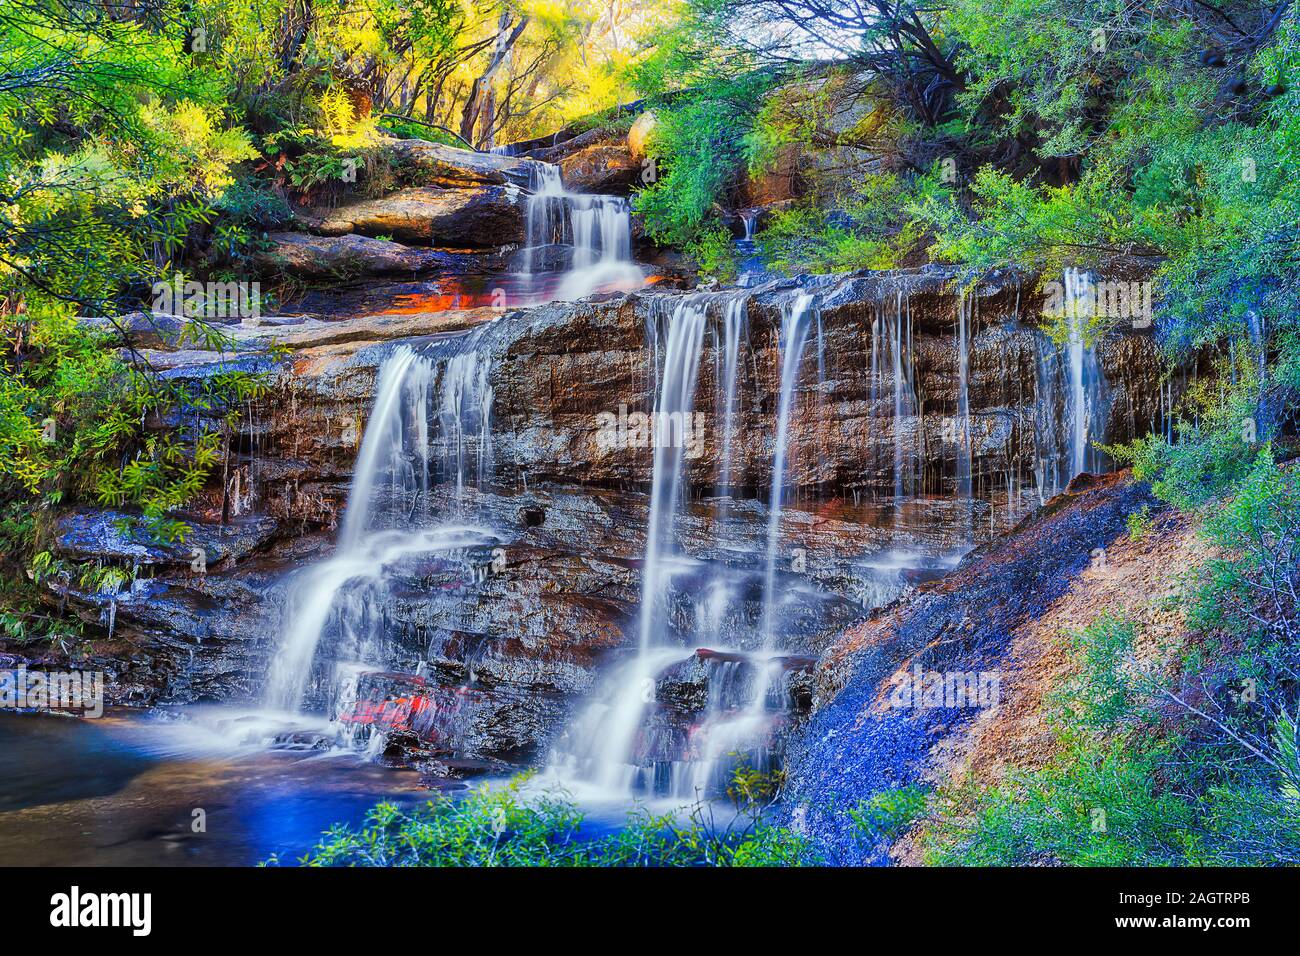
(585, 238)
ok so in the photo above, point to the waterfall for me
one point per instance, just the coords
(738, 717)
(586, 237)
(347, 593)
(794, 333)
(905, 405)
(1070, 409)
(964, 309)
(604, 738)
(733, 329)
(401, 397)
(673, 408)
(545, 214)
(466, 416)
(750, 261)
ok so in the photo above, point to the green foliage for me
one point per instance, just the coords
(1098, 803)
(697, 151)
(891, 813)
(714, 251)
(706, 103)
(870, 229)
(1166, 167)
(250, 202)
(118, 152)
(1217, 441)
(1116, 792)
(506, 827)
(1139, 524)
(1102, 695)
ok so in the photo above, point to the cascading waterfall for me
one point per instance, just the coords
(401, 397)
(605, 746)
(1070, 410)
(733, 330)
(466, 416)
(588, 236)
(672, 413)
(604, 738)
(750, 265)
(875, 386)
(794, 334)
(904, 394)
(346, 594)
(964, 311)
(711, 611)
(737, 718)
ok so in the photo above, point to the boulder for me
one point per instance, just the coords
(638, 137)
(351, 255)
(603, 168)
(433, 164)
(501, 722)
(475, 217)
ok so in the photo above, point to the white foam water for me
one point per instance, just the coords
(594, 234)
(346, 594)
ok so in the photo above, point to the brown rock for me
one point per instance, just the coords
(605, 168)
(479, 216)
(351, 255)
(433, 164)
(638, 136)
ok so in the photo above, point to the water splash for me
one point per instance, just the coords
(347, 594)
(589, 236)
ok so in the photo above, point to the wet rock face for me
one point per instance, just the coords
(444, 720)
(560, 367)
(505, 657)
(569, 379)
(430, 215)
(124, 538)
(707, 719)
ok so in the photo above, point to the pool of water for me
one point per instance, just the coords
(123, 791)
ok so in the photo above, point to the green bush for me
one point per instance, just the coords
(1124, 788)
(714, 253)
(505, 827)
(891, 813)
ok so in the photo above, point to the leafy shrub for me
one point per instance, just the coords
(714, 253)
(1122, 788)
(891, 813)
(1139, 524)
(504, 827)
